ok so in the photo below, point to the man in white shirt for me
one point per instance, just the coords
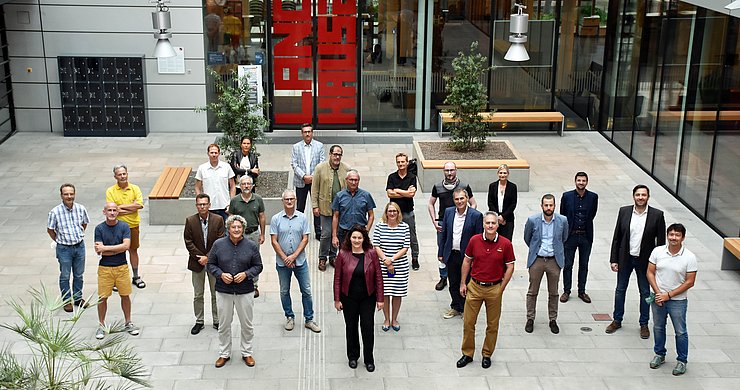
(216, 178)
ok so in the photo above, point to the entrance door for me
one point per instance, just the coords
(314, 73)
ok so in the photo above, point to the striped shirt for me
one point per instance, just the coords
(391, 241)
(67, 223)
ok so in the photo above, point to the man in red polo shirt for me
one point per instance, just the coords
(489, 259)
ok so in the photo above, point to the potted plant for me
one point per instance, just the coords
(468, 97)
(60, 359)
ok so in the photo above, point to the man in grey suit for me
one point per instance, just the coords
(545, 234)
(306, 155)
(640, 228)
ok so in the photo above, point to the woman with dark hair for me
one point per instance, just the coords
(502, 199)
(245, 166)
(358, 287)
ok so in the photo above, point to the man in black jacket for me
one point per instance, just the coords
(640, 228)
(235, 262)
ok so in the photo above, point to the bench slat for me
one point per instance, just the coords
(733, 245)
(157, 189)
(179, 177)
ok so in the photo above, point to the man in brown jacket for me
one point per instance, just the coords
(328, 179)
(201, 230)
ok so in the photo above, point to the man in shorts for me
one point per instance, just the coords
(129, 199)
(112, 240)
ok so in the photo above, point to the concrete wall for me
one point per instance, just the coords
(40, 30)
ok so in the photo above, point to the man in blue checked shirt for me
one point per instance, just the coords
(66, 227)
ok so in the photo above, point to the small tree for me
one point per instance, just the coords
(467, 96)
(60, 359)
(236, 115)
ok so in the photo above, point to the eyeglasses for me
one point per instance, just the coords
(289, 199)
(337, 154)
(450, 170)
(202, 204)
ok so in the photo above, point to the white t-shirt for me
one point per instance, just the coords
(216, 183)
(670, 270)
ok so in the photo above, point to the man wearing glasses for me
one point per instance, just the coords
(289, 236)
(306, 155)
(327, 183)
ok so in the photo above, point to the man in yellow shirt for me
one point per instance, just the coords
(129, 199)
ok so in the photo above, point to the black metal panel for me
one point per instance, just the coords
(103, 96)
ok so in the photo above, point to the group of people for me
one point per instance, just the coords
(475, 252)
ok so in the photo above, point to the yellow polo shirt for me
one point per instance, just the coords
(132, 194)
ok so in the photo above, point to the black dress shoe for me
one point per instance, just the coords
(464, 360)
(529, 327)
(353, 364)
(441, 284)
(486, 362)
(370, 367)
(554, 327)
(196, 329)
(415, 264)
(215, 325)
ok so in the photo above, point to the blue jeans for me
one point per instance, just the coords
(677, 310)
(71, 260)
(442, 270)
(623, 281)
(580, 242)
(302, 276)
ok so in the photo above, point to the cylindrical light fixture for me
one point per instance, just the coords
(161, 22)
(518, 26)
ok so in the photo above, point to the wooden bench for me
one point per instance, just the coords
(511, 117)
(170, 183)
(731, 254)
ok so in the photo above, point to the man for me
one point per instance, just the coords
(579, 207)
(489, 259)
(235, 262)
(638, 231)
(326, 185)
(129, 199)
(458, 224)
(201, 230)
(66, 226)
(216, 178)
(289, 236)
(401, 188)
(251, 207)
(112, 240)
(352, 206)
(444, 191)
(545, 234)
(671, 273)
(304, 158)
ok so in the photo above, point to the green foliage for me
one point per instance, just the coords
(585, 10)
(236, 117)
(468, 96)
(61, 360)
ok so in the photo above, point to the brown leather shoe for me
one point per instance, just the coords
(584, 297)
(322, 264)
(564, 297)
(221, 361)
(644, 332)
(248, 360)
(613, 327)
(68, 308)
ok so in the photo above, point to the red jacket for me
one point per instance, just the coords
(345, 264)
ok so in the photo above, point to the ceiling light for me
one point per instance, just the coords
(518, 26)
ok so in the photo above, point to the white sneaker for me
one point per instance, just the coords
(100, 333)
(313, 326)
(131, 329)
(451, 313)
(289, 323)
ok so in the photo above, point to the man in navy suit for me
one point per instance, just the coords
(304, 158)
(640, 228)
(545, 234)
(459, 224)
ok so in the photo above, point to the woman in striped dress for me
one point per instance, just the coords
(392, 240)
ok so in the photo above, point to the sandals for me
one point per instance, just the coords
(386, 328)
(136, 281)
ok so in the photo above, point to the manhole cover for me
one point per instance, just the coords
(585, 329)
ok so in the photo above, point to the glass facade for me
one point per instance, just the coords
(7, 120)
(672, 101)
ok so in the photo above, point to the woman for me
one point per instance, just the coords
(502, 200)
(245, 166)
(392, 240)
(358, 286)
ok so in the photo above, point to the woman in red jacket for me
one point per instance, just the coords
(358, 286)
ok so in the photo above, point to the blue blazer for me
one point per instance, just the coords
(298, 161)
(533, 237)
(473, 225)
(568, 209)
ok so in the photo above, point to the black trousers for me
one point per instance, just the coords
(301, 195)
(360, 310)
(506, 230)
(454, 272)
